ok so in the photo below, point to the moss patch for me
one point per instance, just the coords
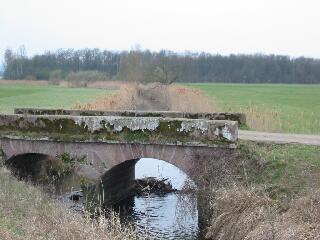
(117, 129)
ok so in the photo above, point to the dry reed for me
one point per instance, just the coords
(186, 99)
(248, 213)
(27, 213)
(125, 99)
(25, 82)
(262, 120)
(110, 85)
(153, 97)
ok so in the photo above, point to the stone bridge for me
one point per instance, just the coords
(112, 142)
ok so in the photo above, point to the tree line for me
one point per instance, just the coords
(163, 66)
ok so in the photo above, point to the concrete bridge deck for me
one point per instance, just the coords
(112, 144)
(238, 117)
(117, 129)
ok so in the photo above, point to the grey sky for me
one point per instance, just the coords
(289, 27)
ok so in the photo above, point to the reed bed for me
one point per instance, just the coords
(249, 213)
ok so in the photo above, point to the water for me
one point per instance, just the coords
(149, 167)
(166, 216)
(169, 216)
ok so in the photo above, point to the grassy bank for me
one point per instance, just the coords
(286, 168)
(27, 213)
(277, 196)
(12, 96)
(271, 107)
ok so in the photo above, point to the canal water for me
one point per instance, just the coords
(169, 216)
(160, 216)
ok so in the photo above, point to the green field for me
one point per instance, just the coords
(12, 96)
(271, 107)
(284, 171)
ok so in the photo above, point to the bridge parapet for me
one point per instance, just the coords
(239, 117)
(120, 129)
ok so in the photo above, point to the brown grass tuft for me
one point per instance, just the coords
(186, 99)
(107, 84)
(262, 120)
(4, 234)
(125, 99)
(153, 97)
(25, 82)
(248, 213)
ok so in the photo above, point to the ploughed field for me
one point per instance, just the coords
(12, 96)
(270, 107)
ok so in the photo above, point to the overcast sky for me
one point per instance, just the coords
(290, 27)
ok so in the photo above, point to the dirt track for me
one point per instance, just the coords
(280, 137)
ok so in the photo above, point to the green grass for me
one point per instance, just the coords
(293, 165)
(13, 96)
(281, 108)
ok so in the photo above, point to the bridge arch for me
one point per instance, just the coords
(118, 183)
(32, 166)
(103, 156)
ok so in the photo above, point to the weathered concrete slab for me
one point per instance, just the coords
(118, 129)
(111, 145)
(239, 117)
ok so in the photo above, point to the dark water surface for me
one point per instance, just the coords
(165, 216)
(160, 216)
(169, 216)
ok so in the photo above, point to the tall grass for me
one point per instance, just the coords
(186, 99)
(125, 99)
(261, 119)
(270, 107)
(276, 197)
(249, 213)
(27, 213)
(153, 97)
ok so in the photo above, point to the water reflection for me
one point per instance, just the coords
(161, 216)
(149, 167)
(169, 216)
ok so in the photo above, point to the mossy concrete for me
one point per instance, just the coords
(103, 156)
(113, 129)
(2, 161)
(106, 142)
(239, 117)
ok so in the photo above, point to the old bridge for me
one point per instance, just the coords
(112, 142)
